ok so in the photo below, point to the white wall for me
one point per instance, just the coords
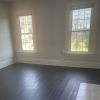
(50, 33)
(6, 51)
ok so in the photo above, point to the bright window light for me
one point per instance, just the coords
(26, 31)
(80, 32)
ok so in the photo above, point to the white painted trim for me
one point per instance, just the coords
(77, 4)
(80, 64)
(6, 62)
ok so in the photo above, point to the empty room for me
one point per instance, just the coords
(49, 50)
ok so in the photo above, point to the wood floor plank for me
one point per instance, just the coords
(39, 82)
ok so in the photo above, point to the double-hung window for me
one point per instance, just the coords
(80, 30)
(26, 32)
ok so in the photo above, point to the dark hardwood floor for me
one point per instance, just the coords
(38, 82)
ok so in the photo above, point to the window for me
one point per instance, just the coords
(26, 32)
(80, 31)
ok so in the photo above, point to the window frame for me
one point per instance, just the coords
(26, 33)
(20, 50)
(69, 30)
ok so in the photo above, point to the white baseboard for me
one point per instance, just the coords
(6, 62)
(81, 64)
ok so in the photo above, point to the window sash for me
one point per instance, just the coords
(80, 41)
(80, 31)
(26, 38)
(27, 42)
(26, 33)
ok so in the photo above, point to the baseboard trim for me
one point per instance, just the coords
(80, 64)
(6, 62)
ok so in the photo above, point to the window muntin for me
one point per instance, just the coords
(26, 31)
(81, 22)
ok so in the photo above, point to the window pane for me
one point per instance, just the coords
(26, 24)
(27, 42)
(26, 32)
(80, 41)
(81, 20)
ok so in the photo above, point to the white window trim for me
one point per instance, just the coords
(67, 49)
(20, 50)
(25, 33)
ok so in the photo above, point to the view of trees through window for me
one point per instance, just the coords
(26, 32)
(81, 20)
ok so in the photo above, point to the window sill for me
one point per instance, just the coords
(27, 52)
(78, 53)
